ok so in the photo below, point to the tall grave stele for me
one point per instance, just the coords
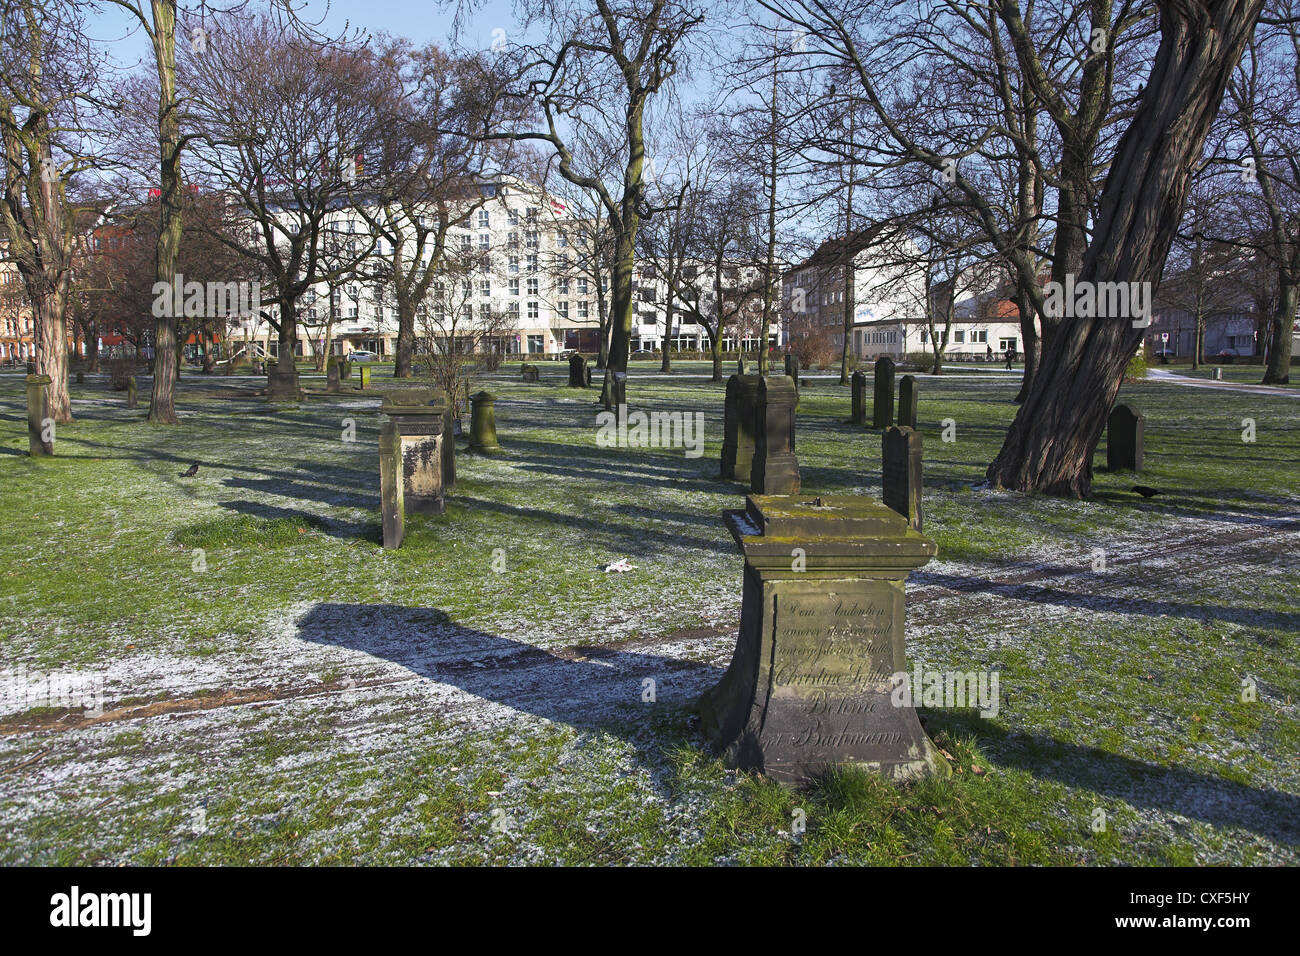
(901, 474)
(739, 425)
(775, 470)
(907, 401)
(821, 636)
(579, 371)
(858, 388)
(420, 417)
(40, 442)
(483, 424)
(882, 408)
(1124, 439)
(392, 506)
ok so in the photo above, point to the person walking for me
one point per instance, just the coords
(1010, 356)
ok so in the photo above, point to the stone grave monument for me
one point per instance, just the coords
(775, 470)
(907, 401)
(483, 424)
(1124, 439)
(391, 486)
(420, 417)
(40, 442)
(579, 371)
(810, 686)
(858, 388)
(882, 406)
(331, 375)
(900, 473)
(739, 426)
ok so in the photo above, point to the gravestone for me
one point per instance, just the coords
(331, 375)
(907, 401)
(900, 473)
(1124, 439)
(882, 407)
(775, 470)
(40, 441)
(810, 686)
(858, 389)
(740, 365)
(81, 378)
(739, 427)
(420, 417)
(345, 370)
(132, 396)
(483, 423)
(363, 375)
(391, 485)
(579, 372)
(620, 397)
(530, 372)
(31, 368)
(792, 372)
(282, 386)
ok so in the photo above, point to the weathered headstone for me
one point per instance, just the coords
(364, 377)
(531, 373)
(40, 421)
(901, 476)
(579, 373)
(907, 401)
(811, 683)
(740, 365)
(792, 372)
(282, 382)
(739, 427)
(450, 428)
(391, 485)
(858, 389)
(132, 396)
(775, 470)
(620, 396)
(345, 370)
(483, 423)
(420, 417)
(1124, 439)
(882, 406)
(331, 375)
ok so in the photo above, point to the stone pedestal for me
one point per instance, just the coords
(282, 383)
(1124, 439)
(40, 435)
(882, 410)
(483, 424)
(132, 395)
(821, 636)
(391, 487)
(421, 421)
(901, 477)
(739, 426)
(775, 470)
(907, 400)
(579, 373)
(858, 388)
(331, 376)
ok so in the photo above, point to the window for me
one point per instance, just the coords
(531, 240)
(532, 213)
(514, 286)
(535, 344)
(485, 287)
(513, 310)
(532, 262)
(466, 288)
(979, 335)
(512, 240)
(582, 285)
(485, 240)
(532, 311)
(563, 308)
(1004, 344)
(484, 219)
(514, 264)
(512, 216)
(562, 286)
(583, 311)
(959, 337)
(465, 242)
(562, 240)
(532, 287)
(485, 311)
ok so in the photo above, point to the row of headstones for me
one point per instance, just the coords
(882, 406)
(579, 372)
(417, 453)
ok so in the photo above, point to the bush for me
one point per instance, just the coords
(1136, 370)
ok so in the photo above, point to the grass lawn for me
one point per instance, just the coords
(280, 689)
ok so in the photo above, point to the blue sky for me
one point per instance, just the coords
(420, 20)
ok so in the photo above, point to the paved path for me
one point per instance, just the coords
(1161, 375)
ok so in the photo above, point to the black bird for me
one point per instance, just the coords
(191, 471)
(1145, 491)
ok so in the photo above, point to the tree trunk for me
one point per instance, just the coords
(1051, 442)
(665, 359)
(1277, 371)
(92, 348)
(1198, 341)
(715, 352)
(162, 402)
(51, 328)
(621, 313)
(1032, 342)
(405, 339)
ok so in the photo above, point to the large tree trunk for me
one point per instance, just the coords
(621, 313)
(405, 340)
(1051, 442)
(1032, 341)
(1277, 370)
(162, 402)
(51, 328)
(92, 347)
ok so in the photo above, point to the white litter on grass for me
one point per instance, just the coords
(620, 566)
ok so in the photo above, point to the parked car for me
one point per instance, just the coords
(360, 355)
